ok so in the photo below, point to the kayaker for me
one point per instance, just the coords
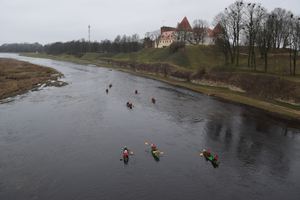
(125, 153)
(208, 153)
(153, 147)
(216, 157)
(153, 100)
(129, 105)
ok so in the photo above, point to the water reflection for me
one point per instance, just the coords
(255, 142)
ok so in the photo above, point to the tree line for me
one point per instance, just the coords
(121, 44)
(21, 47)
(250, 25)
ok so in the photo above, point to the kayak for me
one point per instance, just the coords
(155, 154)
(210, 157)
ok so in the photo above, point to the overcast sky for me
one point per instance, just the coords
(47, 21)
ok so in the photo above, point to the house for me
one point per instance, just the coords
(167, 36)
(183, 32)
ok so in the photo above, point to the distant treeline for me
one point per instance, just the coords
(21, 47)
(122, 44)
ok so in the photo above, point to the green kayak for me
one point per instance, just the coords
(155, 154)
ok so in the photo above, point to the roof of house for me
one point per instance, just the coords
(167, 28)
(217, 30)
(184, 25)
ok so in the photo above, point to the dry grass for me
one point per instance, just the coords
(17, 77)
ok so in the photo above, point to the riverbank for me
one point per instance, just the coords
(18, 77)
(285, 108)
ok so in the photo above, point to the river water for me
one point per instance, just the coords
(65, 143)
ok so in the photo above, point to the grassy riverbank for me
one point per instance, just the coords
(275, 107)
(17, 77)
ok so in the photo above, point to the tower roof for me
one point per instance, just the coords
(184, 25)
(218, 29)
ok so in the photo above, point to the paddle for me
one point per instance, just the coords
(201, 154)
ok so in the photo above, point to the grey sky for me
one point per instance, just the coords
(47, 21)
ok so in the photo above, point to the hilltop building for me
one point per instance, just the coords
(184, 33)
(167, 36)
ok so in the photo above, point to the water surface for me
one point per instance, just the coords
(65, 143)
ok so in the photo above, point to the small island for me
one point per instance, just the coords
(18, 77)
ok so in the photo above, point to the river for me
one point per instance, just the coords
(65, 142)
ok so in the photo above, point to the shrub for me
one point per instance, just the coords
(175, 46)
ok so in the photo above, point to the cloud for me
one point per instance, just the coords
(62, 20)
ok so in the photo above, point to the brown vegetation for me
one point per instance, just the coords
(259, 85)
(262, 86)
(17, 77)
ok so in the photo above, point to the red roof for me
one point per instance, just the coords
(166, 28)
(184, 25)
(217, 30)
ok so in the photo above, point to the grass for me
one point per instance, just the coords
(17, 77)
(192, 57)
(202, 57)
(195, 58)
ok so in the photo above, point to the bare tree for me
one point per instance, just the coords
(234, 15)
(200, 28)
(295, 41)
(231, 22)
(135, 38)
(252, 20)
(281, 27)
(265, 37)
(182, 35)
(223, 36)
(154, 36)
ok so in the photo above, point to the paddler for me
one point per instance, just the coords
(216, 157)
(153, 100)
(125, 152)
(153, 147)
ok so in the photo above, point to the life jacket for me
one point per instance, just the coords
(125, 153)
(216, 157)
(208, 153)
(153, 147)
